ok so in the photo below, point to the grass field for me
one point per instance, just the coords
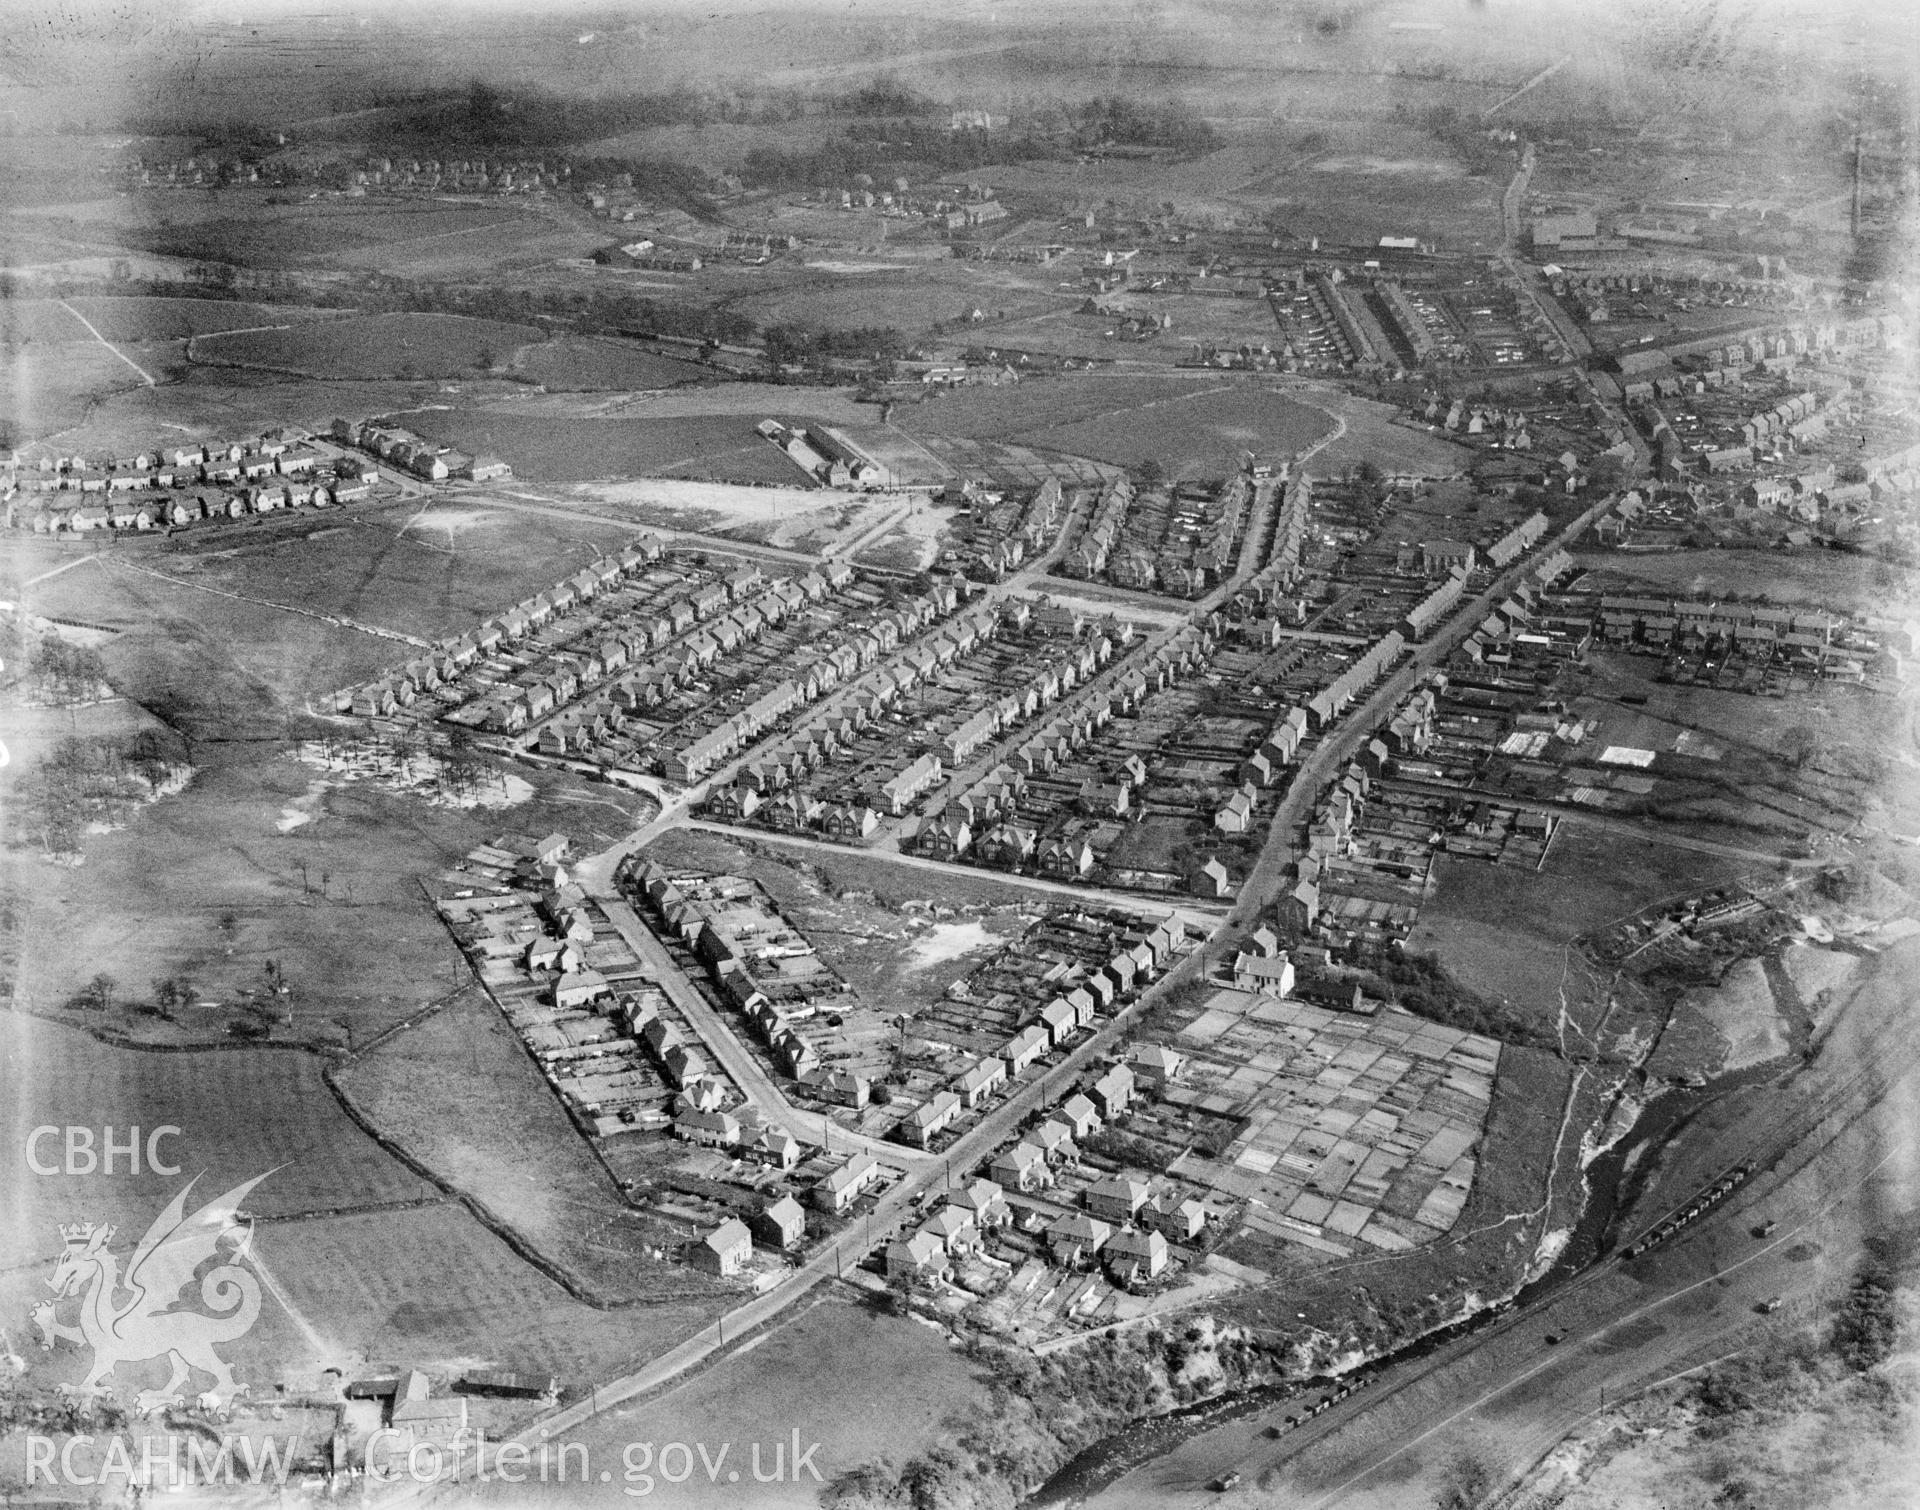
(434, 1289)
(721, 447)
(590, 364)
(1501, 929)
(1371, 435)
(1039, 403)
(141, 320)
(459, 1093)
(220, 666)
(863, 1384)
(1206, 435)
(49, 389)
(911, 300)
(212, 403)
(240, 1113)
(372, 346)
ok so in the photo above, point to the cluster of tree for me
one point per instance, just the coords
(789, 343)
(1869, 1322)
(481, 115)
(1041, 1411)
(1425, 987)
(880, 152)
(665, 179)
(1116, 121)
(82, 780)
(66, 673)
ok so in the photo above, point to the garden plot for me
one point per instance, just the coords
(1356, 1132)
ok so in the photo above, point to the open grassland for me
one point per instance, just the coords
(141, 320)
(39, 322)
(372, 346)
(528, 244)
(912, 300)
(723, 447)
(1372, 434)
(864, 1384)
(1502, 930)
(1206, 435)
(591, 364)
(239, 225)
(48, 390)
(1040, 403)
(263, 872)
(461, 1096)
(209, 886)
(213, 404)
(221, 619)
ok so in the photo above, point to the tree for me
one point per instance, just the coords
(166, 994)
(1798, 745)
(1868, 1326)
(100, 990)
(1466, 1482)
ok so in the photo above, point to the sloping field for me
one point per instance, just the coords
(372, 346)
(143, 319)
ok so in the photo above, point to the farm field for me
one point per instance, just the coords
(372, 346)
(589, 364)
(1206, 435)
(460, 1095)
(240, 1113)
(864, 1384)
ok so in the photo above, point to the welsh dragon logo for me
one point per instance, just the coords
(145, 1324)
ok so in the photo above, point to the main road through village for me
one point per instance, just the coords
(919, 1173)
